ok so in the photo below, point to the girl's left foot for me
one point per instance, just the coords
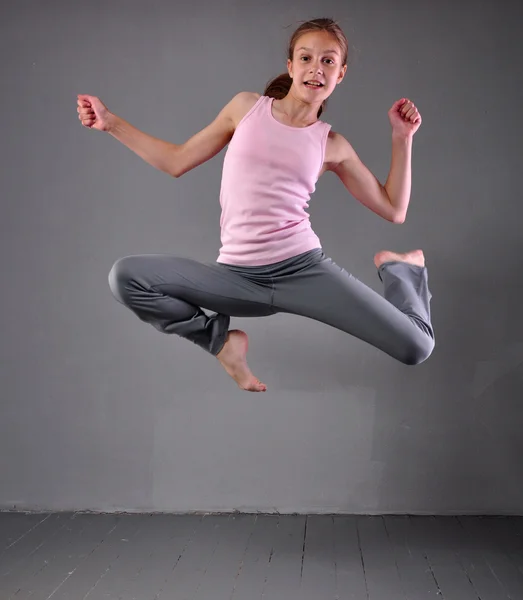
(415, 257)
(233, 357)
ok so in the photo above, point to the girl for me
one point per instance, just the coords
(271, 261)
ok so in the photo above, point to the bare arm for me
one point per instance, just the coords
(391, 200)
(359, 180)
(174, 159)
(177, 159)
(158, 153)
(399, 181)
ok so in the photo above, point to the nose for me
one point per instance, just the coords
(316, 67)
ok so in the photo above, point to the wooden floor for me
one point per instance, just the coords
(74, 556)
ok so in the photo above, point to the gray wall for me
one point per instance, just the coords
(99, 411)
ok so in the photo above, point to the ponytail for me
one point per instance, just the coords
(279, 87)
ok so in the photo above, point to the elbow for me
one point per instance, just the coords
(177, 172)
(397, 216)
(398, 219)
(176, 169)
(391, 212)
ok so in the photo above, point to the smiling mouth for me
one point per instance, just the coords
(312, 85)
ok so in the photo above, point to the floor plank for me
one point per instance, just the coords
(60, 556)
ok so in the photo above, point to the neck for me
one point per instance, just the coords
(297, 111)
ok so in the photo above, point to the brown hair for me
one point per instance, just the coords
(279, 87)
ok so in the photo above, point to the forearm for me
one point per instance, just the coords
(398, 184)
(158, 153)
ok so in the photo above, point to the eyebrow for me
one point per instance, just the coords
(325, 51)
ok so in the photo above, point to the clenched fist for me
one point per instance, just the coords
(93, 113)
(404, 117)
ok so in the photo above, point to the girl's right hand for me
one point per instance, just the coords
(93, 113)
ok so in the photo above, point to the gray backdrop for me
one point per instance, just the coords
(99, 411)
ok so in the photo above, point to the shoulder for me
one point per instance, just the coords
(337, 150)
(241, 104)
(246, 97)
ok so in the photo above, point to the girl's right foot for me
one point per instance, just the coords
(414, 257)
(233, 357)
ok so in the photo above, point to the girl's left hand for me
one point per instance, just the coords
(404, 117)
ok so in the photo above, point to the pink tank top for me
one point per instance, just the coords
(269, 172)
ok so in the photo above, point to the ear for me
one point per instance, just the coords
(342, 74)
(289, 67)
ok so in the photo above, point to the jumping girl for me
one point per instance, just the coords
(270, 260)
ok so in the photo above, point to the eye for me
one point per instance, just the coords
(328, 60)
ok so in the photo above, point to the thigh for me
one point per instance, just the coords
(325, 292)
(208, 285)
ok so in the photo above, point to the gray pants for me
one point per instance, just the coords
(169, 292)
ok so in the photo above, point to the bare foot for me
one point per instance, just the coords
(233, 357)
(415, 257)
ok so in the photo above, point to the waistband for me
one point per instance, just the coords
(283, 267)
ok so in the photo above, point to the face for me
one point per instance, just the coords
(316, 68)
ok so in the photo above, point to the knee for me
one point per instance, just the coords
(419, 352)
(119, 276)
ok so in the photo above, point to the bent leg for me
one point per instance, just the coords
(169, 292)
(398, 324)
